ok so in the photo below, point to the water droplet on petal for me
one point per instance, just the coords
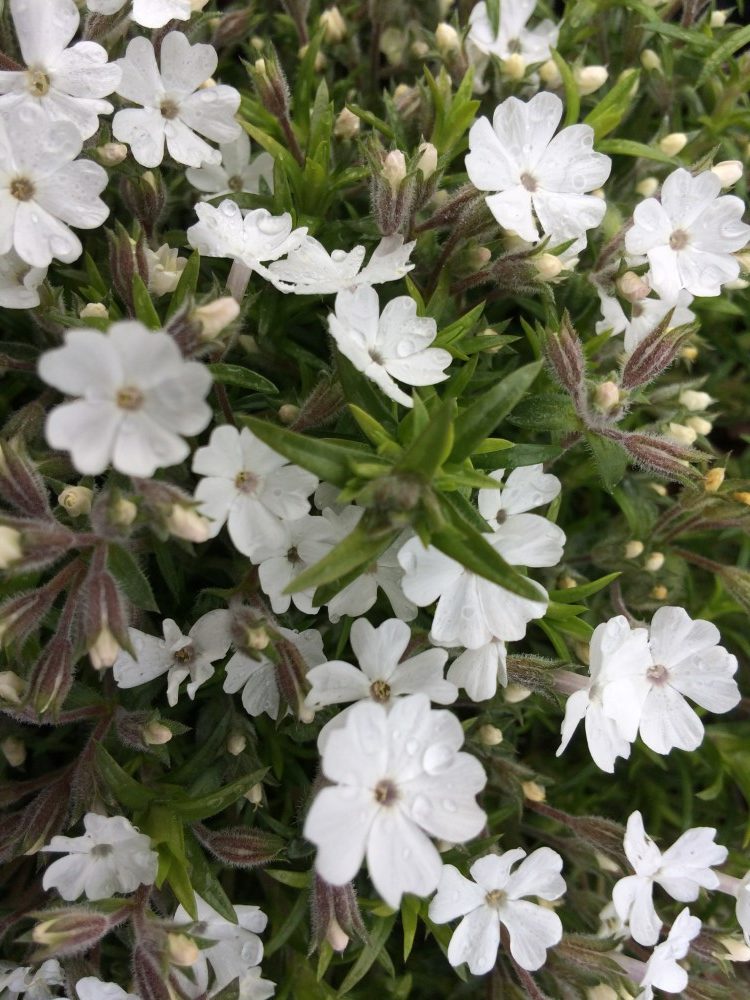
(437, 758)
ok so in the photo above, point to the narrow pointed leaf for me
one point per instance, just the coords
(360, 547)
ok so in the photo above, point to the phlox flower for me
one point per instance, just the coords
(92, 988)
(65, 84)
(682, 871)
(689, 235)
(31, 984)
(306, 540)
(174, 107)
(310, 270)
(19, 283)
(236, 173)
(398, 777)
(164, 269)
(645, 316)
(494, 897)
(662, 970)
(111, 857)
(252, 238)
(388, 346)
(512, 36)
(742, 910)
(135, 398)
(150, 13)
(541, 182)
(478, 671)
(177, 655)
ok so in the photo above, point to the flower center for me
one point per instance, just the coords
(658, 674)
(246, 482)
(501, 517)
(22, 189)
(37, 82)
(376, 356)
(183, 655)
(380, 691)
(679, 239)
(169, 108)
(514, 45)
(636, 311)
(386, 792)
(293, 556)
(235, 183)
(129, 397)
(529, 182)
(102, 850)
(495, 898)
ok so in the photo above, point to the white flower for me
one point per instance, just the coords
(513, 37)
(478, 671)
(306, 540)
(174, 107)
(682, 871)
(311, 270)
(398, 776)
(223, 231)
(251, 488)
(388, 346)
(66, 84)
(645, 316)
(685, 661)
(19, 283)
(262, 678)
(91, 988)
(495, 898)
(472, 611)
(42, 189)
(235, 954)
(177, 655)
(149, 13)
(662, 970)
(236, 172)
(742, 910)
(136, 396)
(689, 235)
(164, 269)
(535, 174)
(31, 984)
(111, 857)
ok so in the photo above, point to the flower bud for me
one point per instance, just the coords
(728, 172)
(700, 425)
(419, 49)
(347, 125)
(589, 78)
(601, 992)
(123, 512)
(182, 950)
(514, 67)
(713, 479)
(14, 750)
(659, 489)
(239, 846)
(94, 310)
(654, 562)
(742, 496)
(564, 353)
(428, 160)
(647, 187)
(10, 546)
(650, 60)
(11, 687)
(336, 936)
(333, 25)
(566, 583)
(548, 266)
(659, 593)
(76, 500)
(104, 650)
(255, 794)
(335, 914)
(73, 931)
(216, 316)
(155, 734)
(695, 401)
(111, 153)
(515, 693)
(490, 736)
(447, 41)
(257, 637)
(682, 434)
(271, 84)
(735, 950)
(236, 745)
(689, 353)
(718, 18)
(633, 287)
(673, 143)
(394, 169)
(737, 284)
(533, 791)
(288, 413)
(185, 522)
(633, 549)
(550, 74)
(607, 397)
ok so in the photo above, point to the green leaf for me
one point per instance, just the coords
(610, 111)
(432, 446)
(358, 389)
(131, 793)
(237, 375)
(610, 459)
(360, 548)
(627, 147)
(129, 575)
(409, 921)
(375, 431)
(737, 40)
(205, 882)
(481, 418)
(230, 992)
(550, 411)
(689, 36)
(215, 802)
(378, 938)
(572, 594)
(472, 550)
(572, 97)
(187, 284)
(145, 310)
(493, 13)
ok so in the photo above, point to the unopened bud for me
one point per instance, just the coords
(548, 266)
(216, 316)
(602, 992)
(735, 950)
(305, 714)
(347, 125)
(514, 67)
(490, 736)
(659, 489)
(336, 936)
(94, 310)
(186, 522)
(654, 562)
(533, 791)
(14, 750)
(123, 512)
(713, 479)
(236, 745)
(689, 353)
(514, 693)
(255, 794)
(606, 863)
(673, 143)
(447, 41)
(104, 650)
(728, 172)
(11, 687)
(718, 18)
(550, 74)
(695, 401)
(682, 434)
(76, 500)
(155, 734)
(288, 413)
(607, 397)
(633, 287)
(589, 78)
(742, 496)
(71, 931)
(428, 159)
(737, 284)
(182, 949)
(419, 49)
(333, 25)
(566, 583)
(633, 549)
(647, 187)
(650, 60)
(700, 425)
(394, 169)
(10, 546)
(111, 153)
(257, 637)
(660, 592)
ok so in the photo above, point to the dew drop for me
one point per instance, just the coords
(449, 805)
(412, 746)
(437, 758)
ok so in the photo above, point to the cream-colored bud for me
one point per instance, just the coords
(14, 750)
(695, 401)
(601, 992)
(647, 187)
(155, 734)
(700, 425)
(514, 67)
(186, 522)
(255, 794)
(533, 791)
(76, 500)
(743, 259)
(207, 84)
(673, 143)
(182, 949)
(336, 936)
(654, 562)
(11, 687)
(123, 512)
(491, 736)
(567, 583)
(94, 310)
(288, 413)
(659, 592)
(550, 74)
(718, 18)
(257, 43)
(111, 153)
(742, 496)
(659, 489)
(589, 78)
(607, 397)
(333, 25)
(444, 846)
(419, 49)
(347, 125)
(10, 546)
(305, 714)
(394, 169)
(728, 172)
(514, 693)
(104, 650)
(681, 434)
(605, 863)
(737, 285)
(475, 258)
(633, 287)
(236, 744)
(598, 193)
(650, 60)
(713, 479)
(260, 67)
(633, 549)
(216, 316)
(257, 637)
(428, 159)
(689, 353)
(447, 41)
(548, 266)
(196, 5)
(150, 178)
(735, 949)
(583, 651)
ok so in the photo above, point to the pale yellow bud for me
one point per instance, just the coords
(447, 41)
(589, 78)
(567, 583)
(123, 512)
(155, 734)
(633, 549)
(533, 791)
(718, 18)
(728, 172)
(605, 863)
(111, 153)
(216, 316)
(186, 522)
(548, 266)
(700, 425)
(236, 744)
(743, 259)
(104, 650)
(305, 714)
(196, 5)
(444, 846)
(255, 794)
(659, 489)
(654, 562)
(491, 736)
(737, 284)
(150, 178)
(694, 400)
(94, 310)
(647, 187)
(673, 143)
(660, 592)
(394, 169)
(514, 67)
(14, 750)
(607, 397)
(601, 992)
(347, 125)
(288, 413)
(256, 637)
(336, 936)
(428, 159)
(681, 434)
(207, 84)
(419, 49)
(713, 479)
(650, 60)
(689, 353)
(11, 687)
(333, 25)
(182, 949)
(550, 74)
(76, 500)
(633, 287)
(257, 43)
(10, 546)
(735, 949)
(742, 496)
(583, 652)
(514, 693)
